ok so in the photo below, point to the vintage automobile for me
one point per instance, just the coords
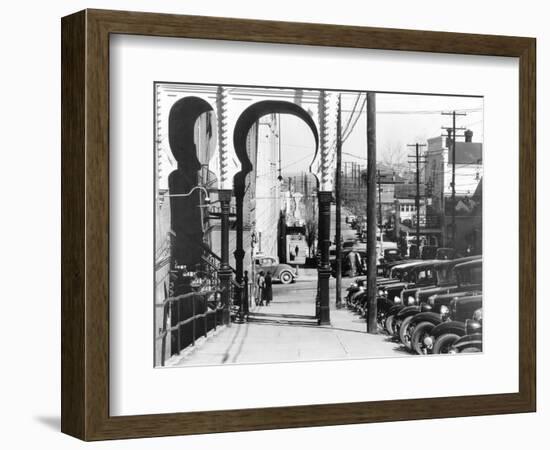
(283, 273)
(428, 252)
(468, 282)
(346, 267)
(429, 337)
(392, 291)
(356, 297)
(438, 278)
(472, 341)
(390, 256)
(445, 253)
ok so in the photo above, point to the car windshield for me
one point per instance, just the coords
(470, 275)
(425, 275)
(445, 274)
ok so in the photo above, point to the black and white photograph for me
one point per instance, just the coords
(299, 224)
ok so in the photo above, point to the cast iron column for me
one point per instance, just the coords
(224, 272)
(323, 269)
(239, 252)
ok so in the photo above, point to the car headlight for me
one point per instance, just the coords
(444, 312)
(410, 300)
(397, 299)
(361, 289)
(478, 315)
(353, 285)
(380, 292)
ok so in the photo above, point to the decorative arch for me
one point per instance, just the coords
(250, 116)
(186, 221)
(181, 123)
(242, 127)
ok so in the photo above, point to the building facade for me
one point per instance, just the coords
(468, 173)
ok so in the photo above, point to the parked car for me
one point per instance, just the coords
(446, 334)
(392, 254)
(438, 278)
(392, 291)
(472, 341)
(449, 325)
(428, 252)
(283, 273)
(445, 253)
(468, 282)
(346, 267)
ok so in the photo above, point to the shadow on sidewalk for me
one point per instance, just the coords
(283, 319)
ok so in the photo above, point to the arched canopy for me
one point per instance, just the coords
(181, 124)
(250, 116)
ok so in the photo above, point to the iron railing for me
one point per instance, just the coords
(192, 316)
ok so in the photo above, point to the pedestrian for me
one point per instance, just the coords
(245, 288)
(260, 287)
(358, 263)
(268, 289)
(352, 263)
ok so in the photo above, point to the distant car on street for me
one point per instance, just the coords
(282, 273)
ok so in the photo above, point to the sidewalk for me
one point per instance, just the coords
(285, 331)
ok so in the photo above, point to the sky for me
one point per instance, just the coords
(401, 119)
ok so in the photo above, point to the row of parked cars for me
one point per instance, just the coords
(430, 306)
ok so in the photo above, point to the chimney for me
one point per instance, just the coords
(468, 135)
(449, 139)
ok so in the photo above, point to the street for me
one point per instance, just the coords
(287, 330)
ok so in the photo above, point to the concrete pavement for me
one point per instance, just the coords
(285, 331)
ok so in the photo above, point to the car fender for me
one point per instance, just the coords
(395, 309)
(450, 327)
(426, 316)
(284, 267)
(475, 338)
(384, 304)
(407, 311)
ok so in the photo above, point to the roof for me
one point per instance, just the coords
(475, 262)
(478, 194)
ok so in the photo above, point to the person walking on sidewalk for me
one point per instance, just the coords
(260, 289)
(268, 289)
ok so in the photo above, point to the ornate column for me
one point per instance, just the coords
(239, 251)
(224, 272)
(328, 110)
(224, 196)
(323, 269)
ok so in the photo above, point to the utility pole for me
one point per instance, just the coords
(453, 183)
(417, 197)
(372, 326)
(339, 204)
(380, 214)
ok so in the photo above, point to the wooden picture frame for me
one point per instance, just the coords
(85, 224)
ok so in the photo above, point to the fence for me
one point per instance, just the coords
(192, 316)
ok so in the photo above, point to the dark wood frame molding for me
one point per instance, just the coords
(85, 224)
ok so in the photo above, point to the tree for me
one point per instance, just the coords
(310, 224)
(311, 233)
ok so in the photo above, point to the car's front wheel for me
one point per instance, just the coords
(390, 323)
(444, 343)
(420, 341)
(405, 332)
(285, 277)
